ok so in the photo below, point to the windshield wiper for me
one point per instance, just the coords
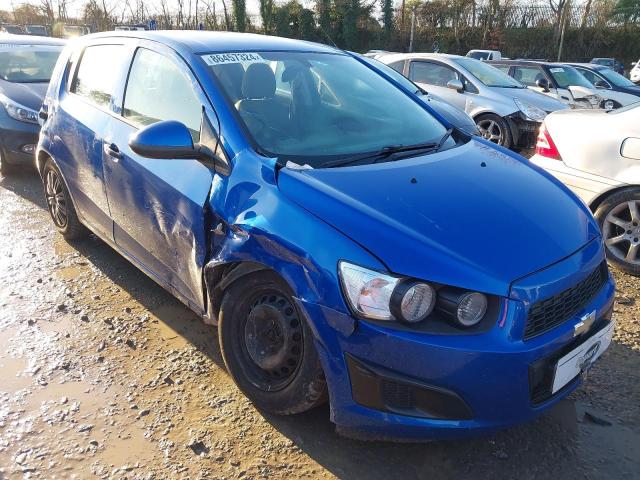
(389, 150)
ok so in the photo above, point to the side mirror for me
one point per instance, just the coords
(455, 85)
(601, 84)
(631, 148)
(167, 139)
(543, 84)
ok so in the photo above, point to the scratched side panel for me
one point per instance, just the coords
(158, 212)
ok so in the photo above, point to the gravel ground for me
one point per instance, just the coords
(104, 375)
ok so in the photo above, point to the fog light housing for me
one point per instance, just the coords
(28, 148)
(466, 309)
(412, 302)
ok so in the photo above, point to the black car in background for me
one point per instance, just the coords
(612, 63)
(557, 80)
(605, 78)
(26, 64)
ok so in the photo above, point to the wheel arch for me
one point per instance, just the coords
(41, 158)
(598, 199)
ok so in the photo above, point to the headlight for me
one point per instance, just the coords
(368, 292)
(17, 111)
(465, 308)
(532, 112)
(412, 302)
(378, 296)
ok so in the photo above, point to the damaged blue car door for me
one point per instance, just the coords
(157, 205)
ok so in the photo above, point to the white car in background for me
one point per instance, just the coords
(596, 153)
(634, 75)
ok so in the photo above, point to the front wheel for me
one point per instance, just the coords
(268, 347)
(619, 219)
(495, 129)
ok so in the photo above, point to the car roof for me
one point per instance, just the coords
(527, 62)
(202, 41)
(405, 56)
(589, 66)
(9, 39)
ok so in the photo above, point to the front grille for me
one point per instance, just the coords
(549, 313)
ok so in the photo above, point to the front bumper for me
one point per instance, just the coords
(14, 137)
(524, 132)
(466, 384)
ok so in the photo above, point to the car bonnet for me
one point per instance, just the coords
(472, 216)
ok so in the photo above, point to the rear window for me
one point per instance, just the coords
(96, 76)
(28, 63)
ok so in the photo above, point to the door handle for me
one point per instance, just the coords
(113, 151)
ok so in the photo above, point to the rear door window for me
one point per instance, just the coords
(527, 75)
(96, 78)
(157, 90)
(431, 73)
(397, 66)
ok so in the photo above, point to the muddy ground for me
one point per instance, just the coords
(103, 374)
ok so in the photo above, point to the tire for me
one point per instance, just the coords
(495, 129)
(268, 347)
(59, 203)
(6, 169)
(619, 218)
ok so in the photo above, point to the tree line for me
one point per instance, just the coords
(517, 27)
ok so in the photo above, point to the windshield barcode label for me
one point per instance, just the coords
(222, 58)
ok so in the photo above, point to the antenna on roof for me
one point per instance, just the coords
(328, 37)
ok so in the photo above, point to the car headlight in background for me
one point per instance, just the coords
(17, 111)
(379, 296)
(531, 112)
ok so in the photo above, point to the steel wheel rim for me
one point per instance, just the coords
(56, 201)
(490, 130)
(272, 343)
(621, 231)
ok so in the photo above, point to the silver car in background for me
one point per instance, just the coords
(455, 116)
(506, 112)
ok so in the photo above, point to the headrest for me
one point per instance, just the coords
(259, 82)
(290, 72)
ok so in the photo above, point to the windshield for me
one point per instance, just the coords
(566, 77)
(615, 78)
(394, 74)
(479, 55)
(490, 76)
(28, 63)
(316, 108)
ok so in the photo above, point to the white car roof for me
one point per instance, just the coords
(395, 57)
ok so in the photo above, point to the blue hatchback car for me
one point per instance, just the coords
(349, 243)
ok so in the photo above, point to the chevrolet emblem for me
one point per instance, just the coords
(584, 324)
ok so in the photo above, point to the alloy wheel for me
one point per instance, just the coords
(621, 230)
(491, 130)
(55, 198)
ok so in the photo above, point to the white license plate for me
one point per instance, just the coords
(581, 358)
